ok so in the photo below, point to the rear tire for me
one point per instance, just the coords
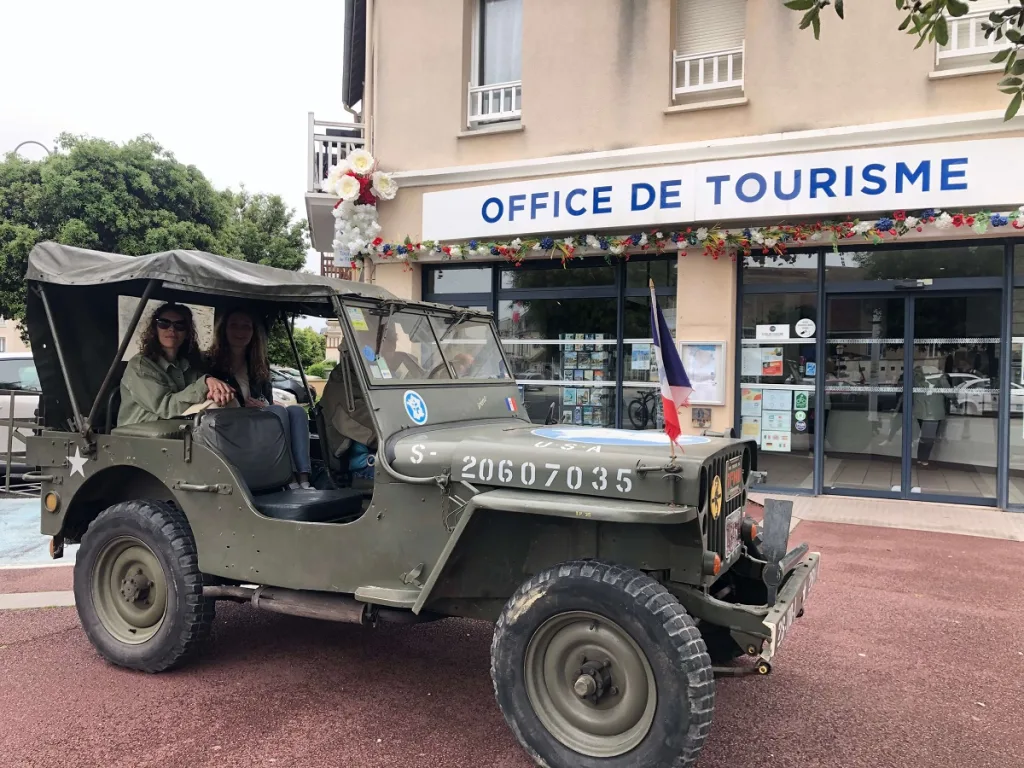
(138, 588)
(588, 622)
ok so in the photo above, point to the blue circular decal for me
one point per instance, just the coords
(368, 354)
(604, 436)
(416, 407)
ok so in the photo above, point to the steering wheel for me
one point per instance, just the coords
(437, 368)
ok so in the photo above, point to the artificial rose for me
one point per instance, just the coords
(384, 186)
(347, 188)
(361, 162)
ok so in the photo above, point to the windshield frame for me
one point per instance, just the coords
(428, 311)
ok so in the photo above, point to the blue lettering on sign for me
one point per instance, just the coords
(778, 186)
(717, 181)
(489, 202)
(903, 174)
(568, 202)
(759, 182)
(670, 198)
(872, 173)
(948, 173)
(516, 203)
(536, 204)
(601, 198)
(634, 202)
(415, 407)
(824, 184)
(605, 436)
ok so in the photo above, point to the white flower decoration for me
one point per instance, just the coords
(702, 233)
(680, 245)
(756, 236)
(863, 226)
(384, 186)
(616, 249)
(945, 221)
(569, 242)
(536, 247)
(517, 244)
(455, 252)
(593, 242)
(361, 161)
(912, 221)
(816, 236)
(771, 242)
(659, 236)
(643, 239)
(348, 188)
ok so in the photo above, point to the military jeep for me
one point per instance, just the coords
(622, 577)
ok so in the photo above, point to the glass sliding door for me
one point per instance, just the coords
(955, 395)
(862, 401)
(932, 432)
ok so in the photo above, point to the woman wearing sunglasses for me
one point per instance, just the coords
(239, 357)
(166, 377)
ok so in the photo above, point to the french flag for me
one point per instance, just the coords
(675, 384)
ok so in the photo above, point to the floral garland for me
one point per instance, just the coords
(358, 185)
(714, 241)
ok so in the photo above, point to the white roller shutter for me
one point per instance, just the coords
(703, 26)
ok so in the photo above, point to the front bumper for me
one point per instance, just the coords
(790, 603)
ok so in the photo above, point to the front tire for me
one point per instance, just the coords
(138, 588)
(597, 665)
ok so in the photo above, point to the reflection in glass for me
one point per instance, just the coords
(862, 398)
(461, 280)
(955, 396)
(958, 261)
(396, 346)
(553, 318)
(662, 271)
(792, 267)
(577, 275)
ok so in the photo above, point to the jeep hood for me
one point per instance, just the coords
(593, 461)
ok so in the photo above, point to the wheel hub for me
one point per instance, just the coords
(590, 684)
(135, 587)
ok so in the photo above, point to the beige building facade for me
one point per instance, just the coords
(817, 218)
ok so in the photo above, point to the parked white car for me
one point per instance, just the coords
(978, 397)
(17, 374)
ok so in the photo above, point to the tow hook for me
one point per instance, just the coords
(761, 668)
(57, 547)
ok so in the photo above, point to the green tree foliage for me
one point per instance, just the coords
(929, 21)
(312, 347)
(134, 198)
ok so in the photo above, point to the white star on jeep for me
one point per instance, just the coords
(77, 463)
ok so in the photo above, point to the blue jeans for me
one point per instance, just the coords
(296, 426)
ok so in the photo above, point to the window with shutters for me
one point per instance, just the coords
(968, 50)
(495, 84)
(708, 55)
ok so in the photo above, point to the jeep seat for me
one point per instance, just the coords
(311, 506)
(163, 429)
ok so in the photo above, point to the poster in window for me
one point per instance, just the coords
(704, 363)
(750, 402)
(776, 441)
(751, 361)
(776, 421)
(641, 358)
(778, 400)
(771, 361)
(750, 428)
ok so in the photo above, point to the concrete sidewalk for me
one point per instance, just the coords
(960, 519)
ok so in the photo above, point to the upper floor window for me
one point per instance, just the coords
(708, 53)
(967, 47)
(495, 86)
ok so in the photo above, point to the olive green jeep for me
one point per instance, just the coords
(621, 579)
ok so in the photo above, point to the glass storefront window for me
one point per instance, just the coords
(953, 262)
(557, 276)
(771, 268)
(664, 273)
(637, 320)
(1016, 461)
(778, 352)
(552, 318)
(461, 280)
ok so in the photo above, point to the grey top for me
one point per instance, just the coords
(51, 262)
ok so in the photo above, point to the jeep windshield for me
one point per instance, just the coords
(399, 343)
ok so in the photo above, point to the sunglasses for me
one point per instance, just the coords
(179, 325)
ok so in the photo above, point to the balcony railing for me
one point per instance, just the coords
(712, 71)
(495, 103)
(967, 39)
(329, 144)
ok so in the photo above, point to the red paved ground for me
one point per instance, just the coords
(907, 657)
(35, 580)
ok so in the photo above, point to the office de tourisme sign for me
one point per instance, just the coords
(966, 174)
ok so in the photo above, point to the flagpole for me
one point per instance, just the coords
(654, 300)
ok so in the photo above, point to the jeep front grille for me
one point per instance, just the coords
(716, 527)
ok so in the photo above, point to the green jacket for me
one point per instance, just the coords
(159, 390)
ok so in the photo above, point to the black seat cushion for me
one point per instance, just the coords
(311, 506)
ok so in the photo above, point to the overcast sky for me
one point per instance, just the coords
(223, 84)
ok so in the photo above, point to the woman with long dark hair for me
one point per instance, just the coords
(239, 356)
(167, 376)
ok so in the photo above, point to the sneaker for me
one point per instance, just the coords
(305, 485)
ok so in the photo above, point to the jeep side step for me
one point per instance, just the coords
(314, 605)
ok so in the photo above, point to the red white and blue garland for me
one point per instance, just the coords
(715, 242)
